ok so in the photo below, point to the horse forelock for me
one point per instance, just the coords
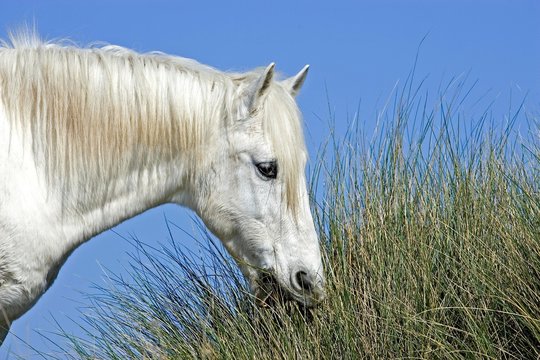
(282, 124)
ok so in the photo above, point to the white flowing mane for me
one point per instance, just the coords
(90, 112)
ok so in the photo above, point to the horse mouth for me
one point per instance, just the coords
(268, 292)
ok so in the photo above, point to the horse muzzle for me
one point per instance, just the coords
(305, 288)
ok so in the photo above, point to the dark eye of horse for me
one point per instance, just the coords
(268, 169)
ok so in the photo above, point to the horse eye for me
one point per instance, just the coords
(268, 169)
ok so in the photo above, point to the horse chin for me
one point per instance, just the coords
(268, 293)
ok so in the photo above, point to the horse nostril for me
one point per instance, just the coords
(303, 281)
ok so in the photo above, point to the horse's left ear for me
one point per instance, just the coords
(294, 83)
(259, 87)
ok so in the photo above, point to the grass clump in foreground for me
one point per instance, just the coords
(431, 243)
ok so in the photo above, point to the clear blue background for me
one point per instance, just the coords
(358, 51)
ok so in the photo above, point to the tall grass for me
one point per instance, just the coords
(431, 241)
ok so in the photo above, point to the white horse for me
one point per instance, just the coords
(91, 137)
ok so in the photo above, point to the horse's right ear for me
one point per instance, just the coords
(258, 88)
(295, 83)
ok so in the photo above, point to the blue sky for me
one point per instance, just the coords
(358, 51)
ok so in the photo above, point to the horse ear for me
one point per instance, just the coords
(260, 87)
(294, 83)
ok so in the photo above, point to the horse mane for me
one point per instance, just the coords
(98, 108)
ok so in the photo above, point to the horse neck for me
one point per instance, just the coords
(126, 196)
(93, 175)
(157, 175)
